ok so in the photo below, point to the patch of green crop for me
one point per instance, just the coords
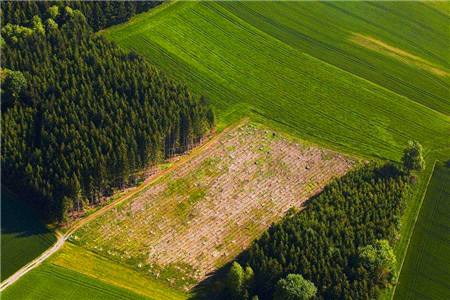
(325, 30)
(53, 282)
(23, 236)
(285, 63)
(425, 273)
(114, 272)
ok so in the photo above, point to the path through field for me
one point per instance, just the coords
(61, 238)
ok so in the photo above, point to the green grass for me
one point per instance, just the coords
(409, 217)
(75, 273)
(294, 65)
(323, 29)
(96, 266)
(53, 282)
(426, 270)
(23, 236)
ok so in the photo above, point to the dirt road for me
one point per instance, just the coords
(61, 238)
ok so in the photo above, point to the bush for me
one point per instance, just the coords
(413, 157)
(294, 287)
(379, 259)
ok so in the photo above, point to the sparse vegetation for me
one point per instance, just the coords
(212, 207)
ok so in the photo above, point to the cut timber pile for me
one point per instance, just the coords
(209, 209)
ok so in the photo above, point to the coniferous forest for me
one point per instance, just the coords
(99, 14)
(83, 117)
(79, 115)
(325, 243)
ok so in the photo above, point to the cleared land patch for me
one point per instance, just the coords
(425, 273)
(201, 215)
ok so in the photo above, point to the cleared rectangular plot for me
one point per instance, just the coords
(426, 271)
(208, 210)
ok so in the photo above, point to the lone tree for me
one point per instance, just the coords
(238, 280)
(379, 259)
(413, 157)
(294, 287)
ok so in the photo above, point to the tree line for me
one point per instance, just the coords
(338, 247)
(99, 14)
(80, 115)
(341, 241)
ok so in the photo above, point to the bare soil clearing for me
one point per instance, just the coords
(201, 215)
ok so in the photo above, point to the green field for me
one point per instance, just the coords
(53, 282)
(23, 238)
(75, 273)
(363, 78)
(426, 271)
(287, 63)
(101, 268)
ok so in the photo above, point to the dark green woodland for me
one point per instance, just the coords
(324, 241)
(79, 115)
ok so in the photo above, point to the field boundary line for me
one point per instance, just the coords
(414, 227)
(61, 238)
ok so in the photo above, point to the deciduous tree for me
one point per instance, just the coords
(379, 259)
(413, 157)
(294, 287)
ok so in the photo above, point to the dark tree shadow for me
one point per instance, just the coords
(18, 218)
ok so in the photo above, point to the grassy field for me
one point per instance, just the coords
(300, 66)
(362, 77)
(53, 282)
(23, 236)
(200, 216)
(386, 43)
(75, 273)
(90, 264)
(426, 271)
